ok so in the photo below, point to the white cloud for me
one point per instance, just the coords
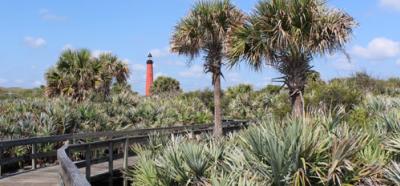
(175, 63)
(378, 49)
(37, 83)
(3, 80)
(46, 15)
(34, 42)
(268, 80)
(263, 82)
(233, 77)
(126, 61)
(96, 53)
(398, 62)
(158, 74)
(394, 4)
(18, 81)
(160, 52)
(342, 63)
(330, 56)
(195, 71)
(68, 46)
(138, 67)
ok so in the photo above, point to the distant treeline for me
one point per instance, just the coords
(15, 92)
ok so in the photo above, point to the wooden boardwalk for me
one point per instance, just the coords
(68, 172)
(49, 176)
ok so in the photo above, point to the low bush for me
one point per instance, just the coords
(333, 94)
(322, 149)
(43, 117)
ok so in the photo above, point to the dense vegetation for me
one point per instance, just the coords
(37, 115)
(324, 148)
(349, 136)
(43, 116)
(341, 132)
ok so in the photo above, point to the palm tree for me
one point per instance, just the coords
(72, 76)
(54, 83)
(164, 85)
(204, 31)
(287, 35)
(113, 71)
(78, 73)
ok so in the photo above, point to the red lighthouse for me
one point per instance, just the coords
(149, 75)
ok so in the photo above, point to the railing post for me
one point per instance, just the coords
(88, 160)
(110, 162)
(68, 152)
(1, 159)
(125, 163)
(33, 158)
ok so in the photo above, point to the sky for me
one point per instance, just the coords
(34, 33)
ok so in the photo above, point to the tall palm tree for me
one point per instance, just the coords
(204, 32)
(288, 34)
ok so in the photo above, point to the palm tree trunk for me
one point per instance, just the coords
(296, 69)
(297, 102)
(217, 106)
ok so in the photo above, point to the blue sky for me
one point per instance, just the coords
(33, 33)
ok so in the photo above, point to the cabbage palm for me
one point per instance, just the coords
(112, 71)
(287, 35)
(74, 74)
(204, 32)
(77, 73)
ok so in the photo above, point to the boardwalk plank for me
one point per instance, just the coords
(49, 176)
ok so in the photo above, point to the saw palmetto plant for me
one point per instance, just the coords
(321, 149)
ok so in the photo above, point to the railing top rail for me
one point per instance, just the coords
(143, 136)
(70, 174)
(64, 137)
(68, 171)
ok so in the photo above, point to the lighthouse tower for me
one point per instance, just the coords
(149, 75)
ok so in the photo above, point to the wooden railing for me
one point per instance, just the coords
(69, 170)
(59, 140)
(70, 175)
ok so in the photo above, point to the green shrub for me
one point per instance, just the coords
(244, 103)
(165, 85)
(333, 94)
(275, 152)
(206, 96)
(174, 111)
(270, 89)
(42, 116)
